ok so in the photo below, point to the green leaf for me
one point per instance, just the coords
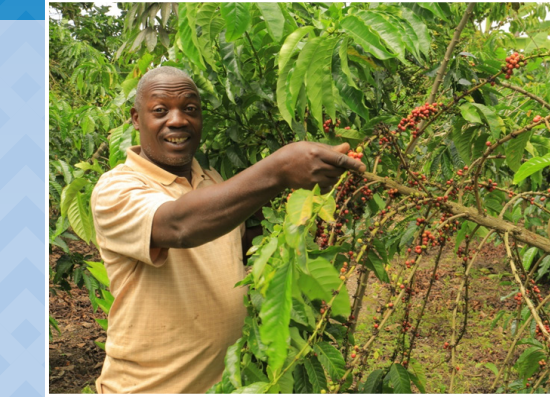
(528, 257)
(80, 218)
(234, 154)
(332, 359)
(274, 19)
(150, 39)
(70, 192)
(303, 63)
(528, 363)
(419, 378)
(265, 253)
(365, 36)
(253, 374)
(188, 42)
(463, 140)
(315, 374)
(275, 315)
(300, 206)
(319, 67)
(327, 207)
(254, 388)
(237, 19)
(387, 31)
(400, 379)
(373, 385)
(530, 167)
(421, 30)
(302, 385)
(492, 367)
(99, 272)
(435, 9)
(320, 283)
(491, 118)
(352, 96)
(376, 264)
(470, 113)
(233, 362)
(290, 45)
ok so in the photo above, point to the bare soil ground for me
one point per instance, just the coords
(75, 360)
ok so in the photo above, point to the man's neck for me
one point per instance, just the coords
(184, 171)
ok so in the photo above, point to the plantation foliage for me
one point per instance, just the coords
(448, 110)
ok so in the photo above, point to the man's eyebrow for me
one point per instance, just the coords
(186, 95)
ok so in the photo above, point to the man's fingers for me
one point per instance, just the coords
(342, 148)
(343, 161)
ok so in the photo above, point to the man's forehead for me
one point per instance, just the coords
(172, 84)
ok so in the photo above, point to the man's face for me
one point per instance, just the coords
(170, 122)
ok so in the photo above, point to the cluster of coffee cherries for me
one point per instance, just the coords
(536, 290)
(514, 61)
(406, 326)
(422, 177)
(323, 308)
(446, 345)
(542, 363)
(409, 263)
(490, 186)
(537, 118)
(460, 173)
(517, 298)
(344, 269)
(538, 331)
(419, 113)
(354, 351)
(328, 124)
(357, 153)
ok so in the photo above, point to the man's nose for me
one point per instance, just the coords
(177, 118)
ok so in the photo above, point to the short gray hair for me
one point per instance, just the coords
(151, 75)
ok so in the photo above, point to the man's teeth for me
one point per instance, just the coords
(177, 140)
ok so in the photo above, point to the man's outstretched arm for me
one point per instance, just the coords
(205, 214)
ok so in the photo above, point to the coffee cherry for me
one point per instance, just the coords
(536, 119)
(487, 143)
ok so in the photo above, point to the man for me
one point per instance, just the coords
(169, 235)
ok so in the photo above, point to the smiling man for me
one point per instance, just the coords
(170, 234)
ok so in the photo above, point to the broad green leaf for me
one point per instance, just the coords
(492, 367)
(302, 314)
(290, 45)
(103, 323)
(188, 41)
(323, 279)
(265, 253)
(254, 388)
(253, 374)
(237, 19)
(319, 66)
(284, 96)
(463, 140)
(530, 167)
(400, 379)
(470, 113)
(151, 39)
(528, 363)
(419, 379)
(302, 385)
(387, 31)
(69, 193)
(305, 57)
(373, 385)
(99, 272)
(275, 315)
(315, 374)
(233, 362)
(80, 218)
(234, 154)
(420, 29)
(300, 206)
(376, 264)
(274, 19)
(528, 257)
(365, 36)
(332, 360)
(436, 9)
(343, 54)
(327, 207)
(494, 122)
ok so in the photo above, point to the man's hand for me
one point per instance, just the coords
(305, 164)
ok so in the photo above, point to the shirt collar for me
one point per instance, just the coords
(140, 164)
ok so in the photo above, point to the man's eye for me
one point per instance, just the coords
(158, 110)
(191, 108)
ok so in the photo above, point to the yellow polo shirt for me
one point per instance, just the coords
(176, 310)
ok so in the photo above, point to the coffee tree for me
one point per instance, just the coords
(448, 111)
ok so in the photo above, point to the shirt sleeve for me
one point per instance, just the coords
(123, 208)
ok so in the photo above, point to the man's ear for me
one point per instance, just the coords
(135, 118)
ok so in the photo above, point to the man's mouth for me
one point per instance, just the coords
(177, 140)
